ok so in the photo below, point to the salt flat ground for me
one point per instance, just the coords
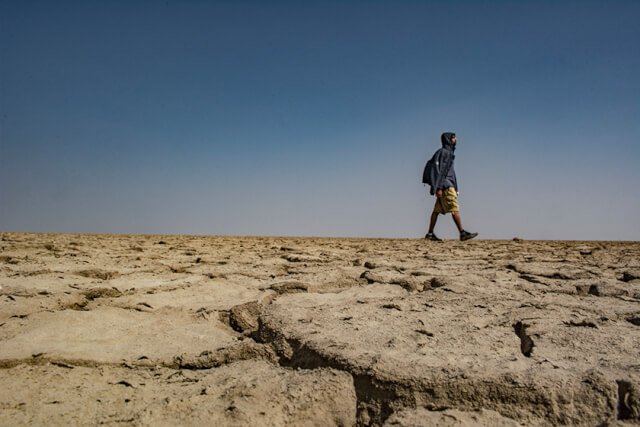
(192, 330)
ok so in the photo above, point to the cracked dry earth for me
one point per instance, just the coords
(188, 330)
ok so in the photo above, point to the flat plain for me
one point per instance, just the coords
(192, 330)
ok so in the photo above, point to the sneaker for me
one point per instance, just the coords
(465, 235)
(431, 236)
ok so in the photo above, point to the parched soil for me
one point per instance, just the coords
(193, 330)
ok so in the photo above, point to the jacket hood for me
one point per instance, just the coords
(446, 140)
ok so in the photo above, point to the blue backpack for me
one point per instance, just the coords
(426, 174)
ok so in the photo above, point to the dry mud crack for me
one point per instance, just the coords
(147, 330)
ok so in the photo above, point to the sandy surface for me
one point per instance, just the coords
(187, 330)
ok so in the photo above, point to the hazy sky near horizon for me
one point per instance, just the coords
(316, 118)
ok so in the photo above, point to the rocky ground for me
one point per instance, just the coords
(189, 330)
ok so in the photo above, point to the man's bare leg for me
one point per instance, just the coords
(457, 220)
(434, 219)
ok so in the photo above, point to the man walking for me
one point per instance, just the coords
(441, 176)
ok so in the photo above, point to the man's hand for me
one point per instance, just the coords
(439, 193)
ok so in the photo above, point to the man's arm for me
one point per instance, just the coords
(442, 165)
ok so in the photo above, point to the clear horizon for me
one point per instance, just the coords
(316, 118)
(452, 238)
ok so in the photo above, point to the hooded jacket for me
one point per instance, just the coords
(442, 164)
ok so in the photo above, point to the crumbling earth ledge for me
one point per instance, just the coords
(389, 381)
(165, 330)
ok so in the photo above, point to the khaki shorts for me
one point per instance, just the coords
(448, 202)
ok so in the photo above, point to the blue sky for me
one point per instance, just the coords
(316, 118)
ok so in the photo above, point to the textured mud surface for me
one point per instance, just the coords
(166, 330)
